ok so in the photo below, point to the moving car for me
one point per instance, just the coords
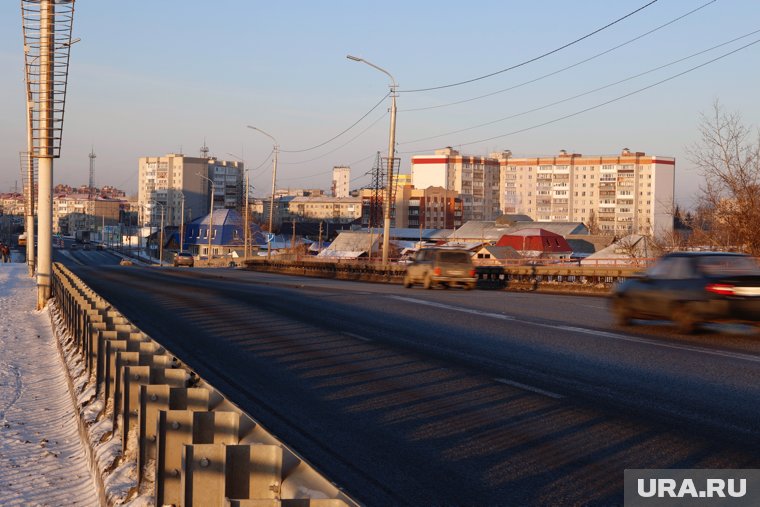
(183, 259)
(690, 288)
(441, 266)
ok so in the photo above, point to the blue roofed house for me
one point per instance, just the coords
(227, 234)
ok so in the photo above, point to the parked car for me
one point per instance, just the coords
(691, 288)
(183, 259)
(441, 267)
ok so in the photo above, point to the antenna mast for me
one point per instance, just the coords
(91, 193)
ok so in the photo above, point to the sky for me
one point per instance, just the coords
(155, 77)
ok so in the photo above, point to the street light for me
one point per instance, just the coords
(161, 245)
(274, 179)
(247, 231)
(210, 215)
(47, 29)
(391, 157)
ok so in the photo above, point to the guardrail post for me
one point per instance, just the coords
(179, 427)
(212, 473)
(163, 397)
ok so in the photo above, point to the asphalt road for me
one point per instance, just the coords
(449, 397)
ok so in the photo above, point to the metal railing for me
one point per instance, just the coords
(189, 443)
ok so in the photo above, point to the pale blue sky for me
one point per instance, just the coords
(153, 77)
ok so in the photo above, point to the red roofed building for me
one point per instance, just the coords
(536, 242)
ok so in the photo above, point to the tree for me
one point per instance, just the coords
(729, 201)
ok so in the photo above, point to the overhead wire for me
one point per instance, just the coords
(589, 92)
(563, 69)
(605, 103)
(536, 58)
(342, 132)
(342, 145)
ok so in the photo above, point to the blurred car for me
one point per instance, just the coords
(74, 246)
(125, 262)
(184, 259)
(441, 267)
(86, 246)
(690, 288)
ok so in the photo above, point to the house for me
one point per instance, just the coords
(227, 234)
(634, 249)
(535, 242)
(492, 231)
(353, 245)
(492, 254)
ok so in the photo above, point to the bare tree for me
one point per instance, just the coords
(730, 195)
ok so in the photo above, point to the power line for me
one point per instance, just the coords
(589, 92)
(526, 62)
(563, 69)
(341, 146)
(341, 133)
(597, 106)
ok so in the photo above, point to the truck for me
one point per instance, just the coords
(82, 236)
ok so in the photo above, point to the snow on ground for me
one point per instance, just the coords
(42, 461)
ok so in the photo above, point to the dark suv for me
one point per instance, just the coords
(441, 266)
(690, 288)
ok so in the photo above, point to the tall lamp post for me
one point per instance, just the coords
(391, 157)
(210, 215)
(247, 230)
(161, 235)
(274, 180)
(47, 28)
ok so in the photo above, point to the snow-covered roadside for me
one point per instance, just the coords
(42, 459)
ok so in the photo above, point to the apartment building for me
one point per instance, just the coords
(76, 211)
(178, 184)
(621, 194)
(341, 178)
(475, 179)
(335, 209)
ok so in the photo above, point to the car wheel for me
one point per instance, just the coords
(621, 312)
(684, 319)
(428, 282)
(469, 286)
(407, 281)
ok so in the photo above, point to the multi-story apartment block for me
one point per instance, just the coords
(340, 181)
(178, 184)
(428, 208)
(334, 209)
(627, 193)
(475, 179)
(76, 211)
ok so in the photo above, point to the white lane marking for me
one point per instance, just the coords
(527, 387)
(457, 308)
(594, 332)
(358, 337)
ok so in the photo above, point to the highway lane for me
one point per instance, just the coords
(452, 397)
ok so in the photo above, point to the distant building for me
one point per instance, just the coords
(336, 209)
(178, 183)
(475, 179)
(618, 194)
(341, 179)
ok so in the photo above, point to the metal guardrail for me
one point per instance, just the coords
(570, 276)
(191, 445)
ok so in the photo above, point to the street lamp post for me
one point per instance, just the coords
(161, 233)
(210, 215)
(47, 28)
(274, 180)
(391, 157)
(181, 222)
(247, 230)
